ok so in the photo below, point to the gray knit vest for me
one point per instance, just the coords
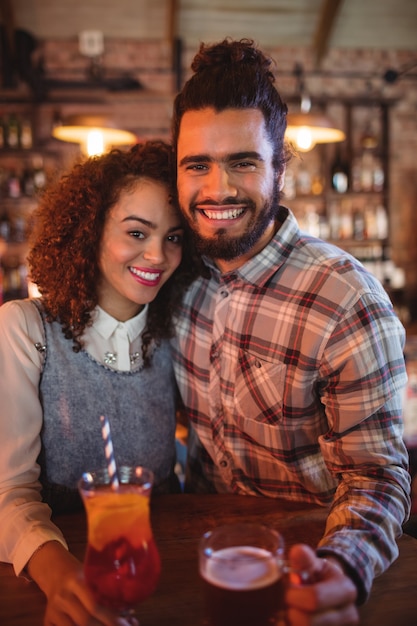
(75, 390)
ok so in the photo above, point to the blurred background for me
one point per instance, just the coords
(68, 66)
(80, 76)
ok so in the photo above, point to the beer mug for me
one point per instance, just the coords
(243, 570)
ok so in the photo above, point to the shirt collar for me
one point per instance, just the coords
(106, 325)
(262, 266)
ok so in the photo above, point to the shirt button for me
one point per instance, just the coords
(223, 463)
(224, 293)
(214, 354)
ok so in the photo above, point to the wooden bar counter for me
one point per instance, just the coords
(178, 522)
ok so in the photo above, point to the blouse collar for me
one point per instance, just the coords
(106, 325)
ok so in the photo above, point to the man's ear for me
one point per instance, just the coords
(281, 178)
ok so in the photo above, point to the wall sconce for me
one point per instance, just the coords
(95, 133)
(306, 129)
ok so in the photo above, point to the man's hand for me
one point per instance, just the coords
(327, 600)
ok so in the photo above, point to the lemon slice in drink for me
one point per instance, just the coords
(114, 515)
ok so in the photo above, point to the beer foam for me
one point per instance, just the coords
(241, 567)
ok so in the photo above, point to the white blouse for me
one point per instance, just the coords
(24, 528)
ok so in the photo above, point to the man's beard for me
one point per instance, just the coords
(223, 246)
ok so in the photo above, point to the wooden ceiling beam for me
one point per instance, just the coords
(173, 16)
(327, 19)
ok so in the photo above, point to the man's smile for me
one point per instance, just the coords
(222, 214)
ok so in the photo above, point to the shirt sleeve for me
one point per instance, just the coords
(364, 446)
(25, 522)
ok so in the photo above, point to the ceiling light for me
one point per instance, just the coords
(306, 129)
(95, 133)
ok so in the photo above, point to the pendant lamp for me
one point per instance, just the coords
(306, 129)
(95, 133)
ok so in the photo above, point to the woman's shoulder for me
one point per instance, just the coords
(21, 314)
(25, 307)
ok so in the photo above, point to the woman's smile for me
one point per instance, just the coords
(146, 276)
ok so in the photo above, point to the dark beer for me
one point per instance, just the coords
(243, 587)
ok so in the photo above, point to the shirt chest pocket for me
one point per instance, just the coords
(259, 389)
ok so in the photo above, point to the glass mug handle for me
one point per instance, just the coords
(296, 577)
(302, 577)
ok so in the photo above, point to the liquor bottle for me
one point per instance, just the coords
(39, 174)
(290, 184)
(312, 221)
(370, 222)
(28, 183)
(358, 224)
(367, 171)
(303, 180)
(26, 137)
(356, 174)
(13, 132)
(19, 229)
(5, 229)
(15, 282)
(378, 177)
(14, 185)
(381, 222)
(340, 173)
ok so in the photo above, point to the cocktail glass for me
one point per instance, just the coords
(122, 563)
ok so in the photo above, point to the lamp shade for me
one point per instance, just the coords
(95, 133)
(305, 130)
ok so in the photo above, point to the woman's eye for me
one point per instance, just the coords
(138, 234)
(177, 239)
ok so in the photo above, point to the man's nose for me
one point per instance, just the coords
(218, 184)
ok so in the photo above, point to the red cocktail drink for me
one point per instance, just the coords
(122, 564)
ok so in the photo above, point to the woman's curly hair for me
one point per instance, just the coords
(67, 231)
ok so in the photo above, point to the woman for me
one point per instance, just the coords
(106, 255)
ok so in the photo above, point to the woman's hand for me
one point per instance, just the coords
(69, 601)
(328, 600)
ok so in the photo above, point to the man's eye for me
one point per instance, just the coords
(196, 167)
(244, 165)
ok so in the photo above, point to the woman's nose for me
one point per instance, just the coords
(154, 251)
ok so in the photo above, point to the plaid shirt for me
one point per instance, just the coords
(291, 371)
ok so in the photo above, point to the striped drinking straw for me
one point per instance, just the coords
(109, 452)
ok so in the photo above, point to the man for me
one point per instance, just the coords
(288, 353)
